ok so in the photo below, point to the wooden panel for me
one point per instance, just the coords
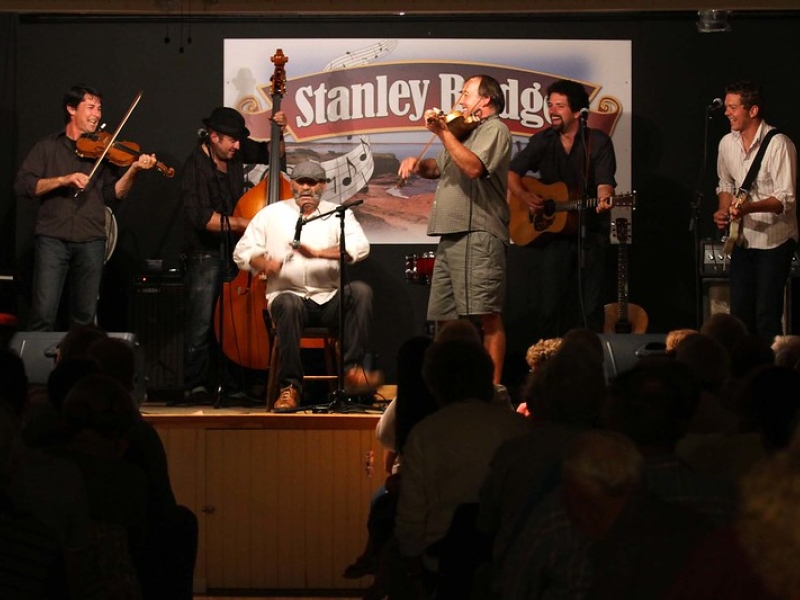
(286, 508)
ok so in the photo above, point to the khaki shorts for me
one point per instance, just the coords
(469, 276)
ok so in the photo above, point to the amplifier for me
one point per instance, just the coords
(715, 263)
(157, 317)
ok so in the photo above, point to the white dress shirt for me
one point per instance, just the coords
(271, 233)
(777, 177)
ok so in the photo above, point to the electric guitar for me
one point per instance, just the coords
(559, 215)
(733, 237)
(623, 317)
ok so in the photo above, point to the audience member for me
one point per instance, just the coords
(638, 542)
(446, 456)
(787, 351)
(566, 393)
(725, 329)
(171, 546)
(675, 337)
(412, 404)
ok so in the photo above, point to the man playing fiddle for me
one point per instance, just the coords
(470, 214)
(70, 230)
(211, 186)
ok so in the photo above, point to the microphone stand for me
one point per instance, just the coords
(339, 400)
(696, 204)
(583, 131)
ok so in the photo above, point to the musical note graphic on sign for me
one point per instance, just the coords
(362, 56)
(349, 173)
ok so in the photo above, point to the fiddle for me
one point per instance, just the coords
(122, 154)
(459, 124)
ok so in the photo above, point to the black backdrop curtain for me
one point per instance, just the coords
(8, 44)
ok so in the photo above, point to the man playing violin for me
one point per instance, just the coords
(470, 214)
(70, 229)
(212, 184)
(582, 158)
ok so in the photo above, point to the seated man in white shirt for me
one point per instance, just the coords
(302, 274)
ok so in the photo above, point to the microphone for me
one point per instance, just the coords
(584, 114)
(715, 104)
(202, 133)
(297, 229)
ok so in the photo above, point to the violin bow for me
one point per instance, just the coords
(402, 180)
(111, 142)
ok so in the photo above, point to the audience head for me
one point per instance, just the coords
(752, 352)
(100, 404)
(707, 360)
(116, 359)
(675, 337)
(653, 402)
(414, 399)
(588, 338)
(569, 387)
(75, 344)
(725, 329)
(65, 375)
(769, 521)
(541, 352)
(600, 471)
(787, 351)
(458, 370)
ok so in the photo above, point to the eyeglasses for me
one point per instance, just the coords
(306, 181)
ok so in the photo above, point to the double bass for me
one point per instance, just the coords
(239, 314)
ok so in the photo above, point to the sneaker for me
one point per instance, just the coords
(358, 381)
(288, 399)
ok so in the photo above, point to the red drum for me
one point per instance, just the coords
(419, 268)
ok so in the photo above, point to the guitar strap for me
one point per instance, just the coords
(751, 174)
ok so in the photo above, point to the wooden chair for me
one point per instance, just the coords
(313, 338)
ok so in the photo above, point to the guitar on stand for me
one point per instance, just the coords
(622, 316)
(559, 215)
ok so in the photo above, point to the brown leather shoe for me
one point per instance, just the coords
(357, 381)
(288, 399)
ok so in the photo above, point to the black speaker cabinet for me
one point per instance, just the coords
(157, 317)
(38, 351)
(623, 350)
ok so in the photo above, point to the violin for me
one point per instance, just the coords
(459, 124)
(122, 154)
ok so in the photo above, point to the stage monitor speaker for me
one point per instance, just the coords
(621, 351)
(157, 317)
(38, 351)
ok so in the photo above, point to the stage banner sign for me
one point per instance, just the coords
(357, 106)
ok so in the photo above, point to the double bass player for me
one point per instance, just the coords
(211, 187)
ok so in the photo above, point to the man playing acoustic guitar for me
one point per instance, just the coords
(559, 154)
(766, 240)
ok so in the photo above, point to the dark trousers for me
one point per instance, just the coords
(758, 278)
(291, 314)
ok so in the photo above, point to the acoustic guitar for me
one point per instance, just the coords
(622, 316)
(559, 215)
(733, 236)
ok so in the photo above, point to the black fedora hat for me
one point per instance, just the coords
(227, 121)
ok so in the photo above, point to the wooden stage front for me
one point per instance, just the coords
(282, 499)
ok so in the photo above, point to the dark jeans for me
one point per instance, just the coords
(758, 278)
(201, 289)
(54, 261)
(291, 314)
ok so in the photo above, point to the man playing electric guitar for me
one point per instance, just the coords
(559, 154)
(761, 258)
